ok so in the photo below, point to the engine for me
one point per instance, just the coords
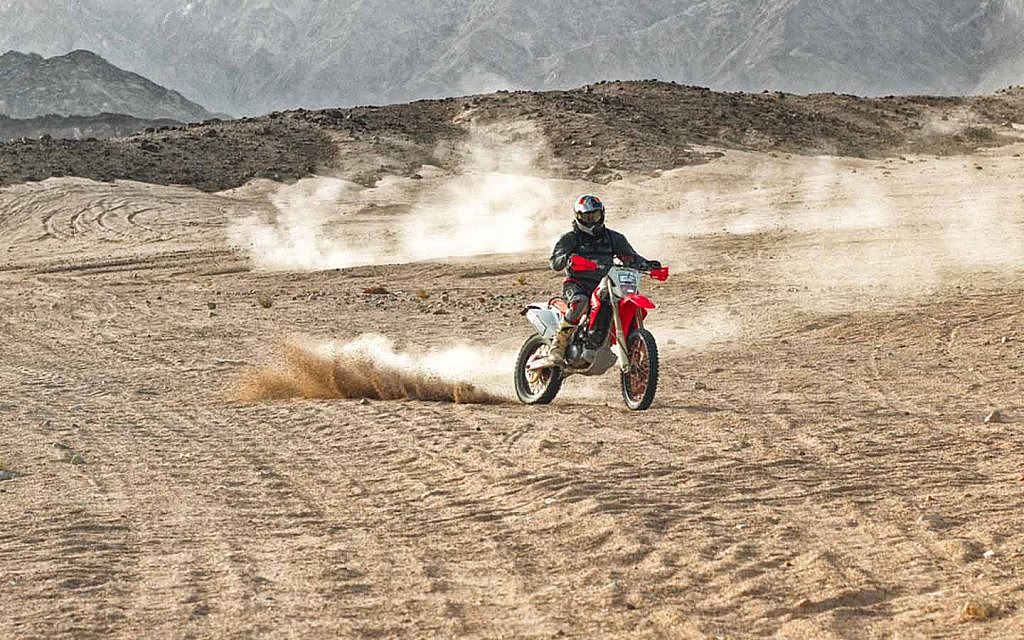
(576, 355)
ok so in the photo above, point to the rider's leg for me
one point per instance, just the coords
(577, 297)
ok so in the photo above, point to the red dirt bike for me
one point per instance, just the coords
(613, 332)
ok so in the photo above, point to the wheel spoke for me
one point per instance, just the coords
(535, 386)
(537, 379)
(640, 382)
(640, 369)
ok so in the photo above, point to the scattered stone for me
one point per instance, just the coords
(364, 401)
(961, 551)
(988, 554)
(211, 305)
(265, 300)
(596, 169)
(378, 290)
(700, 386)
(973, 611)
(63, 453)
(935, 522)
(6, 475)
(994, 416)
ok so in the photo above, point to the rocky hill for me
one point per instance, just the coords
(84, 84)
(593, 132)
(104, 125)
(253, 56)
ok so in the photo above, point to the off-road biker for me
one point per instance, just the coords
(589, 239)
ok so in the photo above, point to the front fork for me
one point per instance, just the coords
(620, 336)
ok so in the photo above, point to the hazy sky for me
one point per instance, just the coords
(246, 56)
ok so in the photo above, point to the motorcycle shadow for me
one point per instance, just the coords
(655, 408)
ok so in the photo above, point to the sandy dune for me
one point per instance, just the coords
(817, 463)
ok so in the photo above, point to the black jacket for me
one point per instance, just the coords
(600, 248)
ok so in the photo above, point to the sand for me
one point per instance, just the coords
(817, 463)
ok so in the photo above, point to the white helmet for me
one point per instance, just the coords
(589, 214)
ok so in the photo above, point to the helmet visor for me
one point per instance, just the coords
(590, 217)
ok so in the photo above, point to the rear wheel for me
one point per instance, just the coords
(641, 382)
(539, 386)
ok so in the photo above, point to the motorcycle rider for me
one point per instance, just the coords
(590, 239)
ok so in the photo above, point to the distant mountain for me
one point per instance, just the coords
(83, 84)
(248, 56)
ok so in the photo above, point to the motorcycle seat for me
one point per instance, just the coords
(559, 303)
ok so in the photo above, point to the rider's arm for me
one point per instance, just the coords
(625, 251)
(563, 249)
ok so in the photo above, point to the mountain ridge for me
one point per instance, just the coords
(256, 56)
(99, 126)
(595, 133)
(82, 83)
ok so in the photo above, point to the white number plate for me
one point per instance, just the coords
(628, 281)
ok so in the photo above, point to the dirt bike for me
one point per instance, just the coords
(613, 332)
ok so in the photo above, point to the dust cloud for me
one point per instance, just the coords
(836, 233)
(900, 234)
(494, 203)
(370, 367)
(297, 239)
(826, 234)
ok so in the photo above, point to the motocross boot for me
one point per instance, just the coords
(556, 354)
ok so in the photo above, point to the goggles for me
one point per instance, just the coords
(590, 217)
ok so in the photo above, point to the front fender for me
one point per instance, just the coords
(630, 307)
(641, 301)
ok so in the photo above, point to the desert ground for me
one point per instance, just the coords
(835, 450)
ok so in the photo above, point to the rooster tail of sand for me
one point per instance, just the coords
(309, 372)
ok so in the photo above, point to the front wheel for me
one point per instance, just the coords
(539, 386)
(641, 382)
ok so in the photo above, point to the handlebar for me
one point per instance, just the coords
(660, 274)
(579, 263)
